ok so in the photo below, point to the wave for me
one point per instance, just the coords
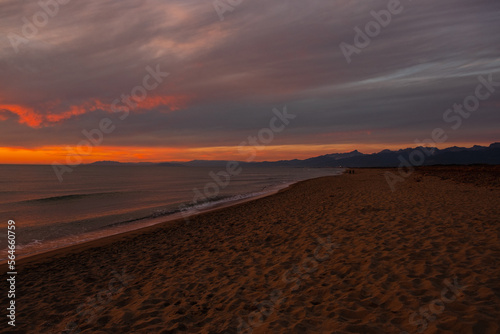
(68, 197)
(190, 208)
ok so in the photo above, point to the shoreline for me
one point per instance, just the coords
(174, 218)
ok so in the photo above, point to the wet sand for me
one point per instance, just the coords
(341, 254)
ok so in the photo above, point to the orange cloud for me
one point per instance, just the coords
(173, 102)
(26, 115)
(73, 111)
(45, 116)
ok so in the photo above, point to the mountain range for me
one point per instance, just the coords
(416, 156)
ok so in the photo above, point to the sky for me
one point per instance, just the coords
(206, 76)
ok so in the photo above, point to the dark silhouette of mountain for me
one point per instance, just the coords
(425, 156)
(413, 156)
(205, 163)
(106, 163)
(171, 164)
(117, 163)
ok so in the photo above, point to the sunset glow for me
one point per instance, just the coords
(179, 83)
(48, 155)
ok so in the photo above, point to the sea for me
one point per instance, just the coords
(95, 201)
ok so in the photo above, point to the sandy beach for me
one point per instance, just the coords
(340, 254)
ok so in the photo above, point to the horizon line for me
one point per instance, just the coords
(257, 160)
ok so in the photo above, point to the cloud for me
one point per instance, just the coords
(225, 77)
(54, 112)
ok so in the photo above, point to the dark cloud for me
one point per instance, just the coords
(231, 73)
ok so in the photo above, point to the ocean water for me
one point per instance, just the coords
(97, 201)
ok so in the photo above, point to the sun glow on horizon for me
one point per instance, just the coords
(51, 154)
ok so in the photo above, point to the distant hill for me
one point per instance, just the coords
(171, 164)
(205, 163)
(489, 155)
(117, 163)
(107, 163)
(450, 156)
